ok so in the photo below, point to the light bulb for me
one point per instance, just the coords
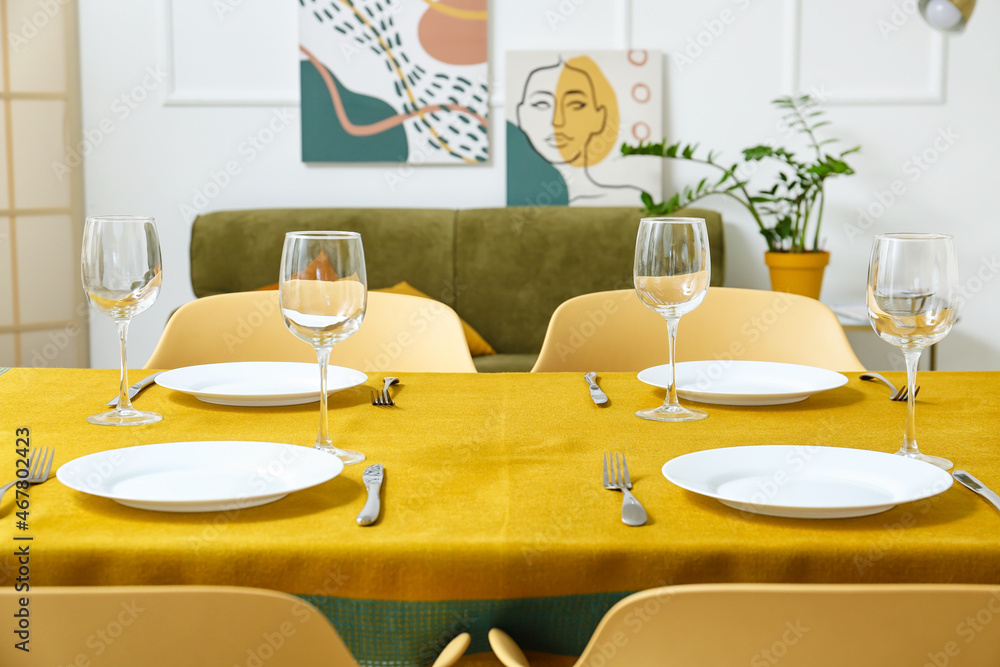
(942, 15)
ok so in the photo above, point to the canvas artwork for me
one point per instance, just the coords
(568, 114)
(394, 81)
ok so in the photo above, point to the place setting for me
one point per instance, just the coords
(912, 293)
(121, 268)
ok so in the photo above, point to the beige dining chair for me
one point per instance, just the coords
(167, 626)
(614, 331)
(793, 625)
(399, 333)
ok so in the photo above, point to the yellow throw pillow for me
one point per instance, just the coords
(478, 346)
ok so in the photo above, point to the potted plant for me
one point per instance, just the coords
(792, 205)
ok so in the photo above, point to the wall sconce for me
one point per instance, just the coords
(947, 15)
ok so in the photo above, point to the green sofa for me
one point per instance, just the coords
(504, 270)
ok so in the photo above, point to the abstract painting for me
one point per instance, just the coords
(394, 81)
(568, 114)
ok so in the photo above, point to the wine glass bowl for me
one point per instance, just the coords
(121, 274)
(323, 293)
(671, 275)
(912, 298)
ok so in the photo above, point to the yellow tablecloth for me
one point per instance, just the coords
(493, 492)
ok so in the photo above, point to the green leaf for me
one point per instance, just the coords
(689, 151)
(758, 152)
(701, 185)
(647, 200)
(784, 228)
(671, 151)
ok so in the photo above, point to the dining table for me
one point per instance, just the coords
(494, 512)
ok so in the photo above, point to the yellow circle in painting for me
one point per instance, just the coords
(586, 113)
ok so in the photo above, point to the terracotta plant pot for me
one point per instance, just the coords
(797, 272)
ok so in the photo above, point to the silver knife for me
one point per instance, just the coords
(372, 477)
(974, 484)
(134, 390)
(595, 392)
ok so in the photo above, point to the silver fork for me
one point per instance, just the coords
(633, 513)
(382, 397)
(897, 394)
(38, 468)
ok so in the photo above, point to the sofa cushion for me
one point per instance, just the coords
(514, 266)
(505, 363)
(240, 251)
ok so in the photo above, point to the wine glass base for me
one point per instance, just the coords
(942, 463)
(125, 417)
(672, 413)
(346, 455)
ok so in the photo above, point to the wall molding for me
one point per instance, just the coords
(178, 96)
(937, 74)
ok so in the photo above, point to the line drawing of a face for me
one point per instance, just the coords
(559, 113)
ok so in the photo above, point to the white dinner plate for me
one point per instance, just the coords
(258, 383)
(744, 382)
(204, 476)
(806, 482)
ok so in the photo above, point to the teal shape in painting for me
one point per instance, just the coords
(531, 179)
(324, 139)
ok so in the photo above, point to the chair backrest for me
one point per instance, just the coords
(166, 626)
(614, 331)
(801, 625)
(399, 333)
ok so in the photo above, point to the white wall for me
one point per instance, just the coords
(230, 76)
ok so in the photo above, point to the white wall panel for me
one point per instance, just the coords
(863, 52)
(231, 51)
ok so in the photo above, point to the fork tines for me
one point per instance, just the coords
(380, 397)
(40, 469)
(619, 471)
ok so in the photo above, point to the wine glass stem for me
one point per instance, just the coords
(124, 402)
(671, 353)
(323, 441)
(910, 435)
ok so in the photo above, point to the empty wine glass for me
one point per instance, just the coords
(912, 300)
(323, 292)
(672, 269)
(121, 275)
